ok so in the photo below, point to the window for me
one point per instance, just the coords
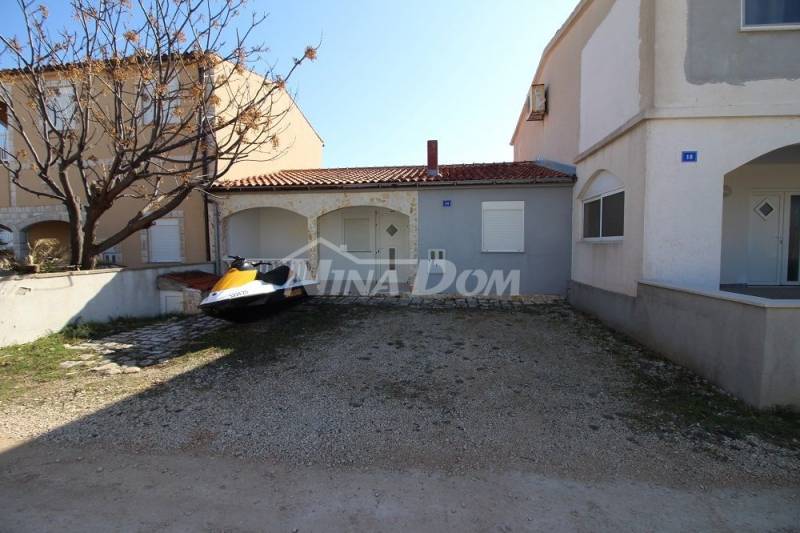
(165, 241)
(169, 102)
(503, 227)
(770, 14)
(112, 256)
(5, 133)
(436, 257)
(6, 238)
(357, 235)
(61, 105)
(604, 217)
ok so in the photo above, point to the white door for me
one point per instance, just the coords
(765, 241)
(392, 243)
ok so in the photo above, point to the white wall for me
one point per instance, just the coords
(613, 266)
(39, 304)
(282, 232)
(244, 234)
(267, 232)
(736, 211)
(609, 81)
(683, 202)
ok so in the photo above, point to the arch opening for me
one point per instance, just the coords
(761, 224)
(265, 233)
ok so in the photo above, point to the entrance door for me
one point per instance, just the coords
(361, 244)
(392, 243)
(765, 241)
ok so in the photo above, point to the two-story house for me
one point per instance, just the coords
(182, 236)
(682, 119)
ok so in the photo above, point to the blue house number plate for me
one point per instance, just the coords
(689, 157)
(447, 203)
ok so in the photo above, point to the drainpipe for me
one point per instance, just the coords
(217, 239)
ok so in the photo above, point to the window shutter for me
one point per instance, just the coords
(503, 226)
(165, 241)
(357, 236)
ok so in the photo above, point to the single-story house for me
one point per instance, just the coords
(490, 217)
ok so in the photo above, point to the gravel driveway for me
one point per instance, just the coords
(535, 391)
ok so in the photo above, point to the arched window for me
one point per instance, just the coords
(604, 208)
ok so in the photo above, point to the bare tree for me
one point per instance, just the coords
(146, 100)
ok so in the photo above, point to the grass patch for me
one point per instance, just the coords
(25, 365)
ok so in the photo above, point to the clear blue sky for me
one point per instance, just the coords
(392, 74)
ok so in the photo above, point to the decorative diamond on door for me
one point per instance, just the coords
(764, 209)
(391, 230)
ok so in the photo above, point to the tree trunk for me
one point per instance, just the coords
(89, 252)
(76, 239)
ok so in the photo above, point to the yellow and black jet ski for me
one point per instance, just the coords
(244, 289)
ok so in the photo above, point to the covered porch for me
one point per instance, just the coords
(341, 238)
(761, 227)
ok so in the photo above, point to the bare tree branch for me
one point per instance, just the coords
(145, 99)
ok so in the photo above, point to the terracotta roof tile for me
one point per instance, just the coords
(334, 178)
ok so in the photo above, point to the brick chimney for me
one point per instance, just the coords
(433, 158)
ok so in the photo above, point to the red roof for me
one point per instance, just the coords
(194, 279)
(334, 178)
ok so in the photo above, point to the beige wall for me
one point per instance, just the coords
(556, 137)
(300, 147)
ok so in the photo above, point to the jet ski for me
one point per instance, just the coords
(244, 289)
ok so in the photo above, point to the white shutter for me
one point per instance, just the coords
(503, 226)
(165, 241)
(169, 103)
(61, 104)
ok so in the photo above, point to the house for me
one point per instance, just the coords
(182, 235)
(682, 119)
(504, 217)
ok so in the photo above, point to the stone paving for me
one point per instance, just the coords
(439, 301)
(128, 352)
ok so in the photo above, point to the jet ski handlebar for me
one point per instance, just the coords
(242, 263)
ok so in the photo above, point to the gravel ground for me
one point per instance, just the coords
(541, 389)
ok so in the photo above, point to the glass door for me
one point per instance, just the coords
(793, 235)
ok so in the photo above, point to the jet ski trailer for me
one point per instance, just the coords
(244, 289)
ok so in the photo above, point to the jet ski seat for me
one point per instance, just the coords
(276, 276)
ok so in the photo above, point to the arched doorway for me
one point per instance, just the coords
(761, 221)
(269, 234)
(47, 229)
(362, 245)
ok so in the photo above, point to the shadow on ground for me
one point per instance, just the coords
(542, 391)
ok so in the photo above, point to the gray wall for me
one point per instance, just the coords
(545, 264)
(750, 350)
(718, 52)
